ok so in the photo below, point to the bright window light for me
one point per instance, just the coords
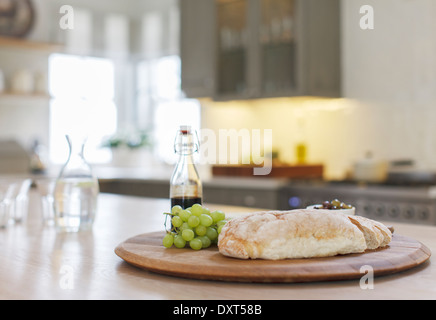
(83, 92)
(168, 78)
(169, 116)
(159, 87)
(160, 79)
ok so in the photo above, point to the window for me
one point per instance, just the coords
(161, 99)
(168, 118)
(82, 90)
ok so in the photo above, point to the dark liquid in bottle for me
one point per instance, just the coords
(185, 202)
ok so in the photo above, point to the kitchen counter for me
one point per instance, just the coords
(36, 262)
(163, 175)
(260, 192)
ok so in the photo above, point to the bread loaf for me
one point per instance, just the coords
(301, 233)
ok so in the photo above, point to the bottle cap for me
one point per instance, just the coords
(186, 141)
(185, 129)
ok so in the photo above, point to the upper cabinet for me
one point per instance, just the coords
(247, 49)
(197, 47)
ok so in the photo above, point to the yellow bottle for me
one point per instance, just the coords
(301, 152)
(301, 146)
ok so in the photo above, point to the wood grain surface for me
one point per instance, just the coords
(146, 251)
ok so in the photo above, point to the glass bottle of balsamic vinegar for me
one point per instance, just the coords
(185, 185)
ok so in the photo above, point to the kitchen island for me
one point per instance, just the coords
(38, 263)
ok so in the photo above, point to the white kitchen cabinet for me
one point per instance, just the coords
(244, 49)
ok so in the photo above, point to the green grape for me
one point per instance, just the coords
(185, 214)
(211, 233)
(221, 223)
(184, 226)
(206, 220)
(188, 234)
(196, 226)
(168, 240)
(220, 228)
(205, 241)
(196, 244)
(200, 230)
(176, 221)
(193, 221)
(179, 242)
(176, 210)
(217, 216)
(197, 210)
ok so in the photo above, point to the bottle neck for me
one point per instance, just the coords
(77, 148)
(76, 165)
(186, 159)
(185, 148)
(185, 144)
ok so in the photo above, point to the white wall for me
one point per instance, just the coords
(391, 70)
(395, 62)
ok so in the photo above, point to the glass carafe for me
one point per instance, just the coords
(76, 191)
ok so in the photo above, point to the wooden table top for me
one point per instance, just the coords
(38, 263)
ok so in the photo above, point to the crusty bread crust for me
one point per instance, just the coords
(373, 236)
(301, 233)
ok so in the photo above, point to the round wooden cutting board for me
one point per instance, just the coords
(146, 251)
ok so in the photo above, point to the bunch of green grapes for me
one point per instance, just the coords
(195, 226)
